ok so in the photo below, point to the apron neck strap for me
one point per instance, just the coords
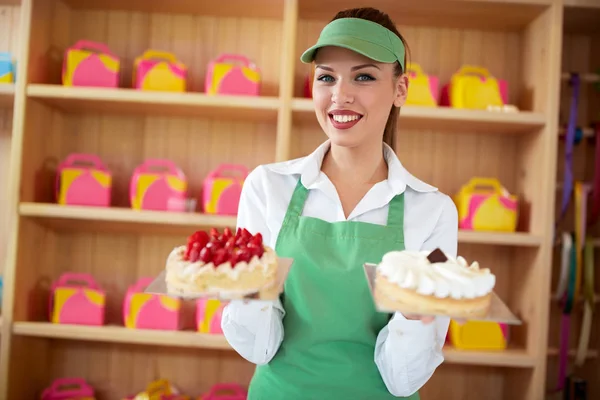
(396, 211)
(297, 202)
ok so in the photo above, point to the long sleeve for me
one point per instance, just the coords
(407, 352)
(254, 329)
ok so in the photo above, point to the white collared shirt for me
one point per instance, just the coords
(407, 352)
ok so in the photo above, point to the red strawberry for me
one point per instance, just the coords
(227, 233)
(219, 257)
(206, 255)
(214, 245)
(258, 239)
(201, 237)
(256, 249)
(230, 244)
(244, 254)
(246, 235)
(214, 233)
(238, 233)
(194, 252)
(234, 260)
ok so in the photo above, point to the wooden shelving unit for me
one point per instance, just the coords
(517, 40)
(580, 48)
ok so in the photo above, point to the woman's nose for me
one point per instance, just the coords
(341, 93)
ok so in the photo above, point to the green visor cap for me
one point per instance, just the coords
(364, 37)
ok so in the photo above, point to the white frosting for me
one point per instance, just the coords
(454, 278)
(186, 270)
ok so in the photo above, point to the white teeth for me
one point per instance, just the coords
(345, 118)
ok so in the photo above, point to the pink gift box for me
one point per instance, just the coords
(158, 185)
(208, 315)
(221, 192)
(91, 64)
(150, 311)
(233, 74)
(76, 298)
(68, 389)
(82, 179)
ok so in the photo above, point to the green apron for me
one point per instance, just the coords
(331, 325)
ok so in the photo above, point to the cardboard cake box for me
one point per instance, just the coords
(271, 292)
(498, 311)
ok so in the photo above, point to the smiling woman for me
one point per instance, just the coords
(348, 203)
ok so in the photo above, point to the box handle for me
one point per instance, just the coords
(74, 279)
(235, 57)
(218, 172)
(68, 387)
(151, 54)
(491, 183)
(94, 46)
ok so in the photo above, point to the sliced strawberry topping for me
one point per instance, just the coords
(218, 248)
(219, 257)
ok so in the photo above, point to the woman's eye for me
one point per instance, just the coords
(325, 78)
(365, 77)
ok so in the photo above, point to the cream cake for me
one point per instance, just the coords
(432, 283)
(220, 263)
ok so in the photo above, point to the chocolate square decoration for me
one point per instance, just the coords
(437, 256)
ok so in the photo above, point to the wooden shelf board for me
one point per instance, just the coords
(505, 358)
(464, 14)
(229, 8)
(131, 101)
(190, 339)
(497, 238)
(120, 334)
(553, 352)
(7, 95)
(121, 220)
(447, 119)
(10, 2)
(125, 220)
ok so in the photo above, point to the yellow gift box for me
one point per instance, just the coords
(484, 205)
(479, 335)
(422, 88)
(473, 87)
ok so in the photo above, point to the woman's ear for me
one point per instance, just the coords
(401, 90)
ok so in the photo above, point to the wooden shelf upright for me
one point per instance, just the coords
(517, 40)
(10, 24)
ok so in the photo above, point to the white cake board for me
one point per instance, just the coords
(159, 286)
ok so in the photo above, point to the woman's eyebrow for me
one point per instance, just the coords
(356, 67)
(364, 66)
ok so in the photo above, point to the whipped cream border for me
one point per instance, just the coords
(186, 270)
(454, 278)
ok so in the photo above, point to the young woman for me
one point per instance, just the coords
(347, 203)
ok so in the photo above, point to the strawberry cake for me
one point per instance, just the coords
(214, 263)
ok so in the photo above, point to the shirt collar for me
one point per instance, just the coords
(309, 169)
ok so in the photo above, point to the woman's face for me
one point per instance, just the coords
(353, 95)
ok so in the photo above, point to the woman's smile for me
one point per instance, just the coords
(344, 119)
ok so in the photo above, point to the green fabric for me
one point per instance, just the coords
(362, 36)
(331, 325)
